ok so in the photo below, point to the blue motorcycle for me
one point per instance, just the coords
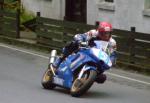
(79, 70)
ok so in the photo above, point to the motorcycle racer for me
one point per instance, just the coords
(103, 32)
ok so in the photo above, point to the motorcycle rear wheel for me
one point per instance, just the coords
(80, 86)
(47, 80)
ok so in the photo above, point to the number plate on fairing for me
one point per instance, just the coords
(58, 81)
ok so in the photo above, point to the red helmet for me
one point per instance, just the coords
(104, 31)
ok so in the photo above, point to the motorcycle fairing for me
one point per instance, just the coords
(74, 61)
(85, 56)
(68, 67)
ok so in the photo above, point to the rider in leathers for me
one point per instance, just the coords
(103, 32)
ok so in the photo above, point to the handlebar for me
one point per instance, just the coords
(83, 45)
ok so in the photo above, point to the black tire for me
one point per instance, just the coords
(47, 80)
(79, 87)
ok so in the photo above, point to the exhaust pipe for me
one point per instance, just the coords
(52, 56)
(52, 59)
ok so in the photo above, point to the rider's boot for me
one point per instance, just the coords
(66, 51)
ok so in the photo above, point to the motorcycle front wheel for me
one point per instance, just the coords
(47, 80)
(80, 86)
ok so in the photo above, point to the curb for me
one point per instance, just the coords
(47, 49)
(27, 45)
(133, 68)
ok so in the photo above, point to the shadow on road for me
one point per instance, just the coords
(90, 94)
(97, 95)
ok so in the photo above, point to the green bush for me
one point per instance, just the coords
(26, 16)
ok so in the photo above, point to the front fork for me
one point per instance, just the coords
(85, 68)
(52, 69)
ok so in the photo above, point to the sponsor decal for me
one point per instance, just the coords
(81, 57)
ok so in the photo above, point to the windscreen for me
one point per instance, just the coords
(101, 45)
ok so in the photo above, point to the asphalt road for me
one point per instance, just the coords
(20, 82)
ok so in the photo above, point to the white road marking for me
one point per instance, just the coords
(116, 75)
(24, 51)
(112, 74)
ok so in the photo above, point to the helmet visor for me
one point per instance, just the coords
(107, 33)
(105, 36)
